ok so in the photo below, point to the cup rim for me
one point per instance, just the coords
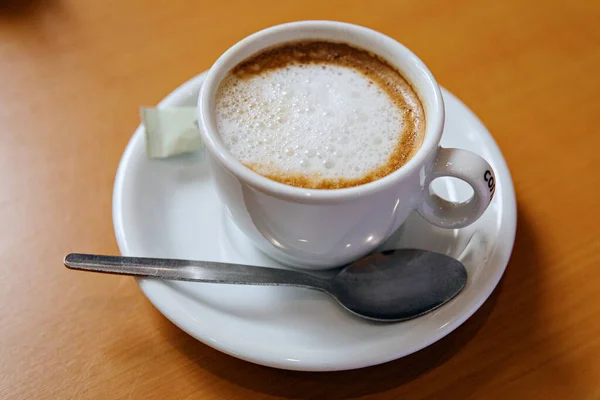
(434, 120)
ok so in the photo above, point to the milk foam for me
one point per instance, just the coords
(319, 121)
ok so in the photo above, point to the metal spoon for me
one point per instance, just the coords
(391, 286)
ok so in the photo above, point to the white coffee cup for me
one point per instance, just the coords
(319, 229)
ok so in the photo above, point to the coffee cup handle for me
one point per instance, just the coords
(469, 167)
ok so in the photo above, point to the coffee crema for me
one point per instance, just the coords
(320, 115)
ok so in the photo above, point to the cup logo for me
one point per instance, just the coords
(491, 183)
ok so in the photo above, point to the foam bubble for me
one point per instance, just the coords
(347, 125)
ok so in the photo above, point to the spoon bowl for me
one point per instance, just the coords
(398, 285)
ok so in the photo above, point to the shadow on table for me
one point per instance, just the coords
(425, 366)
(25, 8)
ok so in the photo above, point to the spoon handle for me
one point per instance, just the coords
(189, 270)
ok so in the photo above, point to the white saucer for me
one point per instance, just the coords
(169, 208)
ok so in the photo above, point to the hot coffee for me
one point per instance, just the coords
(317, 114)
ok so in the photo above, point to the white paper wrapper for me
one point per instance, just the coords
(170, 131)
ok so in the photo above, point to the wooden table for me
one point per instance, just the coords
(72, 76)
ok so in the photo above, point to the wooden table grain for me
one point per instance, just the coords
(72, 76)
